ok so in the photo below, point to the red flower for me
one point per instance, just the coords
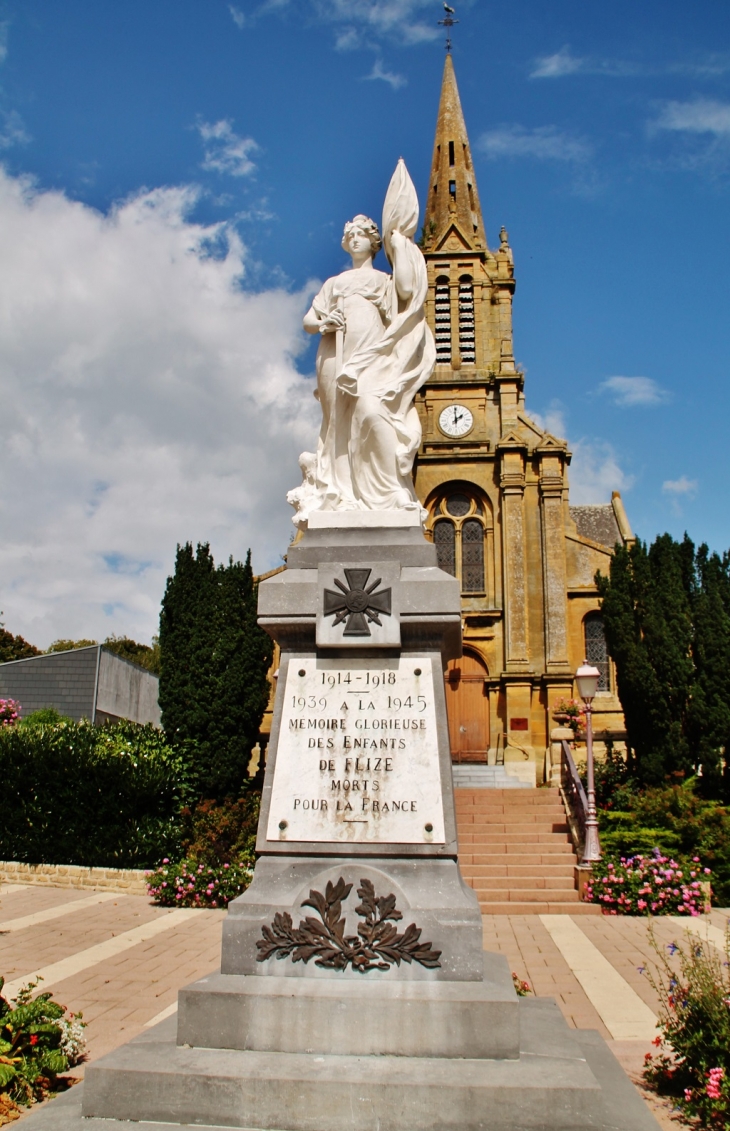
(34, 1038)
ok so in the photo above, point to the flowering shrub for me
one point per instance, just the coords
(676, 819)
(648, 885)
(192, 884)
(9, 712)
(693, 1061)
(38, 1040)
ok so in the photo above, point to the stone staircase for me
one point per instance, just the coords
(515, 851)
(478, 776)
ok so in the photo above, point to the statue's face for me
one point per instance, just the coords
(358, 242)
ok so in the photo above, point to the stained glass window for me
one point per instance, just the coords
(472, 557)
(596, 649)
(458, 505)
(445, 542)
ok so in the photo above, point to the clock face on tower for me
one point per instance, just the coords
(456, 420)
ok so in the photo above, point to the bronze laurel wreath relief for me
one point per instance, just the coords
(376, 946)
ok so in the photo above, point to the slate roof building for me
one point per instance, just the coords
(91, 683)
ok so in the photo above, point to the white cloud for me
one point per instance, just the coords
(368, 20)
(396, 81)
(595, 472)
(147, 400)
(699, 115)
(543, 143)
(552, 421)
(630, 391)
(564, 62)
(681, 486)
(225, 151)
(237, 16)
(557, 65)
(12, 129)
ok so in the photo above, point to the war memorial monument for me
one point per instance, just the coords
(354, 993)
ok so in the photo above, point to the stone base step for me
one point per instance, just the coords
(472, 854)
(564, 1079)
(519, 871)
(474, 776)
(522, 884)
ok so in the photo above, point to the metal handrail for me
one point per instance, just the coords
(574, 797)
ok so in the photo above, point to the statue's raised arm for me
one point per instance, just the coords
(376, 351)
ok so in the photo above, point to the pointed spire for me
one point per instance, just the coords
(453, 201)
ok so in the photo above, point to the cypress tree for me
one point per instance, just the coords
(709, 715)
(647, 616)
(187, 634)
(214, 660)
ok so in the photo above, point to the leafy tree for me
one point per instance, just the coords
(69, 645)
(14, 647)
(143, 654)
(214, 660)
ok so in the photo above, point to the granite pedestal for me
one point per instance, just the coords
(382, 1015)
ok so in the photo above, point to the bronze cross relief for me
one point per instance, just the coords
(357, 602)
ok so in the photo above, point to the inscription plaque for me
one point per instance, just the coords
(357, 759)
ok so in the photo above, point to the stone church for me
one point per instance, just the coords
(495, 486)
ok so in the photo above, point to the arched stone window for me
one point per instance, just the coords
(467, 341)
(472, 556)
(444, 537)
(443, 321)
(463, 532)
(596, 649)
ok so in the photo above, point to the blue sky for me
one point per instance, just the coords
(176, 175)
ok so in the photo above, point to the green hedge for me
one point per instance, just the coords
(105, 796)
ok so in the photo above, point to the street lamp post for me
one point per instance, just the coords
(587, 679)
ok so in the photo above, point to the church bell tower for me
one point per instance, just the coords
(496, 489)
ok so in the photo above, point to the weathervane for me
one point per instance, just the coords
(448, 22)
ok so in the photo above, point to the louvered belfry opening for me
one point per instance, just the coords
(467, 344)
(443, 321)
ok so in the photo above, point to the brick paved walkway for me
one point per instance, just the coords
(121, 994)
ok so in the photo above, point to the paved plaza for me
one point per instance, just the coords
(120, 961)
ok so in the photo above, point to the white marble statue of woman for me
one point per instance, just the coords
(376, 351)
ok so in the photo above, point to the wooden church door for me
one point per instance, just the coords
(467, 705)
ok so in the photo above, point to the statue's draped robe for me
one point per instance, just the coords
(370, 426)
(365, 298)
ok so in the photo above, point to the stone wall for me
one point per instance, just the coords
(126, 881)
